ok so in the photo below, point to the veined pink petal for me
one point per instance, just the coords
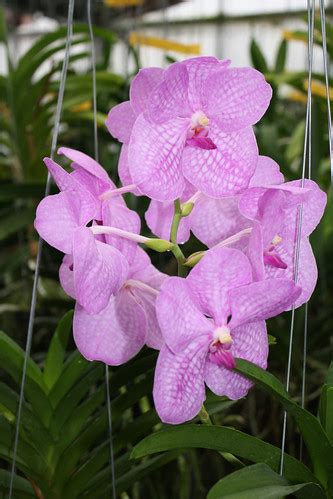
(236, 97)
(169, 99)
(255, 252)
(66, 276)
(180, 319)
(250, 343)
(220, 270)
(261, 300)
(57, 217)
(142, 87)
(86, 162)
(224, 171)
(213, 220)
(113, 336)
(99, 271)
(307, 269)
(179, 388)
(120, 121)
(312, 211)
(154, 157)
(62, 178)
(121, 217)
(199, 68)
(267, 172)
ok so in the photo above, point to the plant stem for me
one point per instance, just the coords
(204, 416)
(179, 255)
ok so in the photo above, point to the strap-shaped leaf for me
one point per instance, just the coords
(11, 361)
(21, 487)
(326, 404)
(259, 482)
(56, 352)
(315, 438)
(222, 439)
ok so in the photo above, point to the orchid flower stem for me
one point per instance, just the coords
(160, 245)
(179, 255)
(205, 419)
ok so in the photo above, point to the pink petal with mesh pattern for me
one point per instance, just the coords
(113, 336)
(220, 270)
(249, 343)
(224, 171)
(255, 252)
(307, 270)
(99, 271)
(86, 162)
(179, 317)
(66, 276)
(199, 68)
(63, 179)
(213, 220)
(120, 121)
(267, 173)
(154, 157)
(179, 388)
(57, 217)
(261, 300)
(236, 97)
(142, 86)
(121, 217)
(312, 211)
(170, 98)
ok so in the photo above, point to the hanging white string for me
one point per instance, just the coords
(311, 11)
(55, 134)
(107, 382)
(325, 59)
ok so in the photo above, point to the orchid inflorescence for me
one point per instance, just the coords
(188, 144)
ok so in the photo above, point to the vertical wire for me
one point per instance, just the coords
(325, 58)
(107, 382)
(55, 134)
(311, 12)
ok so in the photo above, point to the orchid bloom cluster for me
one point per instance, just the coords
(187, 144)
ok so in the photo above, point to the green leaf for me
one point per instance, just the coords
(258, 482)
(326, 405)
(318, 445)
(222, 439)
(257, 57)
(21, 487)
(280, 62)
(56, 353)
(15, 221)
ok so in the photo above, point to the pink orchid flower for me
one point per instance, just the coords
(272, 242)
(100, 264)
(207, 320)
(211, 220)
(191, 127)
(119, 331)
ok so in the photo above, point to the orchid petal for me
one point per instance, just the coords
(179, 317)
(224, 171)
(120, 121)
(169, 99)
(154, 157)
(261, 300)
(159, 218)
(86, 162)
(233, 89)
(220, 270)
(179, 388)
(99, 271)
(113, 336)
(142, 86)
(267, 172)
(66, 276)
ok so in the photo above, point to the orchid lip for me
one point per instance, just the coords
(219, 350)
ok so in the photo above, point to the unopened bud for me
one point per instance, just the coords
(186, 209)
(159, 245)
(193, 259)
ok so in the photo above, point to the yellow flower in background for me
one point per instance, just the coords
(84, 106)
(295, 35)
(297, 96)
(318, 88)
(122, 3)
(162, 43)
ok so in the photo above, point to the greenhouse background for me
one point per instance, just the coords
(72, 426)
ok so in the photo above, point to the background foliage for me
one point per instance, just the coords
(63, 448)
